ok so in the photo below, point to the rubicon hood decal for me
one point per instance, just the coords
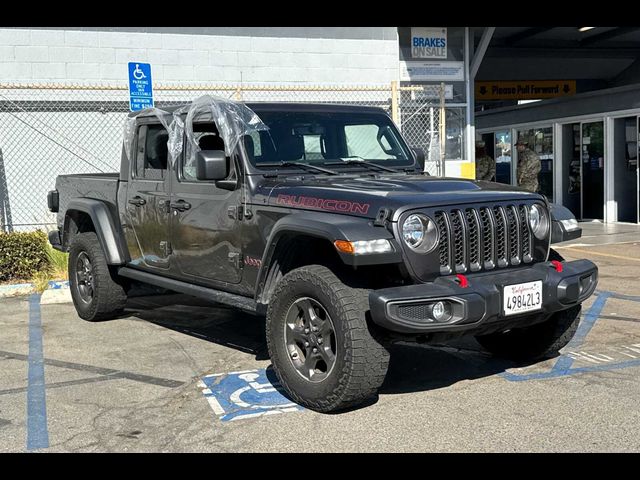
(363, 197)
(329, 204)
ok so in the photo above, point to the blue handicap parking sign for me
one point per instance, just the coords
(246, 394)
(140, 86)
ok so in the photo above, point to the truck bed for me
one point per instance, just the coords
(100, 186)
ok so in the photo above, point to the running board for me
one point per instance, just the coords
(238, 301)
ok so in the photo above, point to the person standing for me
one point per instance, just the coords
(485, 165)
(529, 166)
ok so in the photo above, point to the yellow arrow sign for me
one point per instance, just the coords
(525, 89)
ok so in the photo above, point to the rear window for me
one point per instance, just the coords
(152, 154)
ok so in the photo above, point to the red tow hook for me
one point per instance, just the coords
(558, 265)
(462, 280)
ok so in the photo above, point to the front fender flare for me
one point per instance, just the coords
(330, 227)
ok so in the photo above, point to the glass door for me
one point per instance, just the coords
(592, 170)
(538, 149)
(625, 162)
(502, 151)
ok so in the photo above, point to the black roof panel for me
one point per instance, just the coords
(284, 106)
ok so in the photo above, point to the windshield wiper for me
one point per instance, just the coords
(303, 166)
(360, 161)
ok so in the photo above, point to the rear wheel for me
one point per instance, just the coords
(96, 292)
(323, 350)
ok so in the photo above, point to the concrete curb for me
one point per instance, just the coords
(16, 290)
(21, 289)
(56, 295)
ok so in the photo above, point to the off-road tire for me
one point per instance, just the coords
(361, 361)
(109, 295)
(539, 341)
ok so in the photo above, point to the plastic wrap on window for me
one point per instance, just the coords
(233, 120)
(130, 126)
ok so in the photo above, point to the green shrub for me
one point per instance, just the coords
(23, 255)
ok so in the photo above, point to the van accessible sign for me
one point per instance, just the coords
(429, 42)
(140, 86)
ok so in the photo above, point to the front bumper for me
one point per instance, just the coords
(405, 309)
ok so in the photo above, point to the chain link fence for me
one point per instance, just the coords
(49, 130)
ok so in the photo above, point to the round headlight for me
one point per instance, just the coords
(538, 221)
(420, 234)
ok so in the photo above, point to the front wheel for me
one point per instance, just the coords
(536, 342)
(323, 350)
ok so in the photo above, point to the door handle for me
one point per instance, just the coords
(137, 201)
(180, 205)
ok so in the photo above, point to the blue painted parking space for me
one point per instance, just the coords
(564, 364)
(245, 394)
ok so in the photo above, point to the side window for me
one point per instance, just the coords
(152, 154)
(368, 141)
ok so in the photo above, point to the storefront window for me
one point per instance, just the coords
(537, 148)
(503, 156)
(455, 128)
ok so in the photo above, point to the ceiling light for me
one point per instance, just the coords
(585, 29)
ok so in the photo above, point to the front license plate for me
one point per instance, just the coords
(523, 297)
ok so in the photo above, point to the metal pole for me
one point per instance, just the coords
(432, 134)
(443, 130)
(5, 208)
(395, 114)
(470, 132)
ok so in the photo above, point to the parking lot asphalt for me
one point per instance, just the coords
(143, 383)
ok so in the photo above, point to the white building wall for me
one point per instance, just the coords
(74, 56)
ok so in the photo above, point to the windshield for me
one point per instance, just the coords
(317, 138)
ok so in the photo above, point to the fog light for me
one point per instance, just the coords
(441, 312)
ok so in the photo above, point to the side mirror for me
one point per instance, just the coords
(211, 165)
(564, 226)
(418, 153)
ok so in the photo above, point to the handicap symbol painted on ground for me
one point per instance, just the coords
(564, 365)
(246, 394)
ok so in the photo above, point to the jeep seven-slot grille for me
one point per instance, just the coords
(473, 239)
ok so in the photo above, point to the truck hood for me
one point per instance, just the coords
(365, 195)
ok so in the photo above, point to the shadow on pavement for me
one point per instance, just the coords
(417, 368)
(413, 368)
(211, 322)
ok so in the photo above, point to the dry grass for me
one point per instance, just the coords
(59, 262)
(57, 269)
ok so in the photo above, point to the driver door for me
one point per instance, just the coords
(205, 230)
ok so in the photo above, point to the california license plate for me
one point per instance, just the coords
(523, 297)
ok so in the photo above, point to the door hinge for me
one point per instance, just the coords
(238, 212)
(234, 258)
(165, 247)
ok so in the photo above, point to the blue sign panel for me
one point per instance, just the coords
(247, 394)
(140, 87)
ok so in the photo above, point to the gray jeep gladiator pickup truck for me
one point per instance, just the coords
(320, 218)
